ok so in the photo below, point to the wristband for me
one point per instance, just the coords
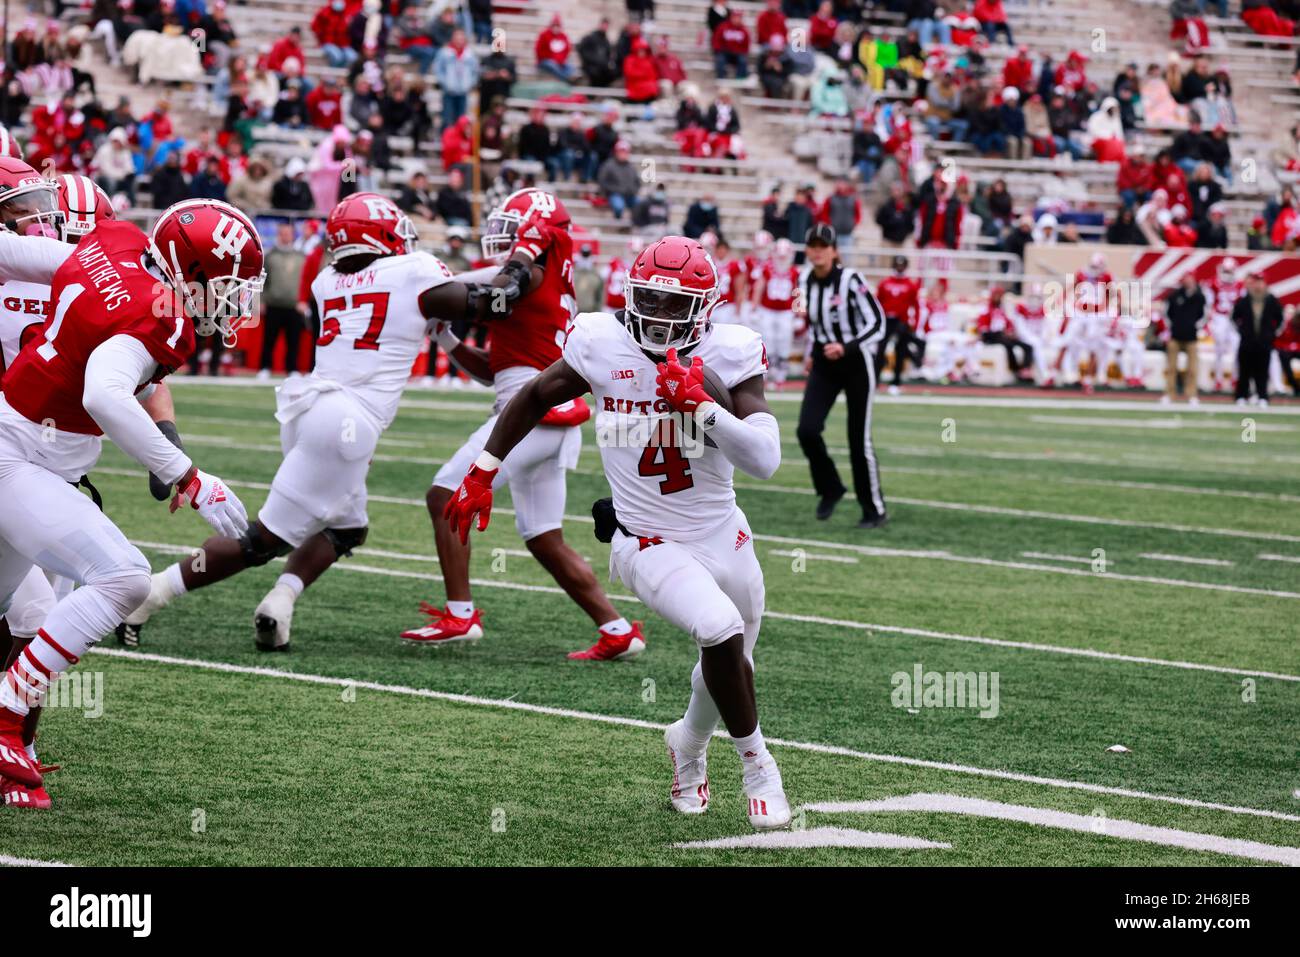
(706, 415)
(447, 340)
(487, 462)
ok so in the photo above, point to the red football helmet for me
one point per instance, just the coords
(210, 254)
(670, 290)
(367, 224)
(9, 146)
(29, 204)
(83, 204)
(499, 232)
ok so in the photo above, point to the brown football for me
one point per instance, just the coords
(714, 386)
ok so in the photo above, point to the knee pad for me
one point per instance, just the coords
(715, 625)
(346, 539)
(257, 550)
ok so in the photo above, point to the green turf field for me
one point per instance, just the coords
(1183, 650)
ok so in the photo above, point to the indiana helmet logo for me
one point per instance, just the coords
(230, 237)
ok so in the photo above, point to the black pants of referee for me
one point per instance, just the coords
(854, 374)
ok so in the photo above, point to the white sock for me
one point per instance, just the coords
(461, 609)
(31, 752)
(751, 748)
(701, 717)
(619, 626)
(291, 582)
(170, 579)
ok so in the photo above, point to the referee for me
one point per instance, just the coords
(846, 325)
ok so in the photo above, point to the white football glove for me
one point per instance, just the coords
(214, 500)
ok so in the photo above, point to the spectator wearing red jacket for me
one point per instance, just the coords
(964, 26)
(1018, 71)
(457, 143)
(1179, 233)
(1072, 74)
(640, 75)
(771, 23)
(288, 47)
(552, 49)
(325, 105)
(1264, 20)
(731, 47)
(821, 27)
(330, 26)
(1134, 181)
(669, 66)
(992, 16)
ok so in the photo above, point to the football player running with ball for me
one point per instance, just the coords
(378, 300)
(529, 234)
(670, 445)
(126, 310)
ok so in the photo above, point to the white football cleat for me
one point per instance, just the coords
(272, 619)
(765, 799)
(690, 789)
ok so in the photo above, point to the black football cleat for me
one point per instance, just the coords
(128, 636)
(826, 506)
(878, 521)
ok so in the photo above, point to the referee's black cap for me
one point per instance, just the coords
(822, 234)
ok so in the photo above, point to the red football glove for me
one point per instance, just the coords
(473, 497)
(534, 235)
(682, 387)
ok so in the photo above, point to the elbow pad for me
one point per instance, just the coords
(519, 277)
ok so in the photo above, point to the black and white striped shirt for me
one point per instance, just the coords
(842, 308)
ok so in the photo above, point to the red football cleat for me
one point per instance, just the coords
(445, 628)
(614, 647)
(14, 794)
(14, 762)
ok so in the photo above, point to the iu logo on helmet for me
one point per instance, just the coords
(230, 237)
(541, 202)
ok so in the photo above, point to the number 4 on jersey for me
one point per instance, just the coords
(663, 457)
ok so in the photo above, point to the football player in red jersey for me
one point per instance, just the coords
(126, 309)
(900, 300)
(530, 235)
(678, 538)
(1222, 294)
(24, 307)
(379, 299)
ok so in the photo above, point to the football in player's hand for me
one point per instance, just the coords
(717, 390)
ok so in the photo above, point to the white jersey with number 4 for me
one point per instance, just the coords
(371, 330)
(665, 484)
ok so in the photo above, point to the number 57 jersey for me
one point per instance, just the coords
(372, 328)
(667, 481)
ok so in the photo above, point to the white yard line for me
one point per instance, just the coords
(1187, 559)
(812, 837)
(1171, 423)
(1047, 556)
(656, 726)
(1270, 557)
(813, 556)
(861, 626)
(7, 861)
(1065, 821)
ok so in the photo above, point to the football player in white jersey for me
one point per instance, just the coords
(671, 437)
(1222, 292)
(378, 300)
